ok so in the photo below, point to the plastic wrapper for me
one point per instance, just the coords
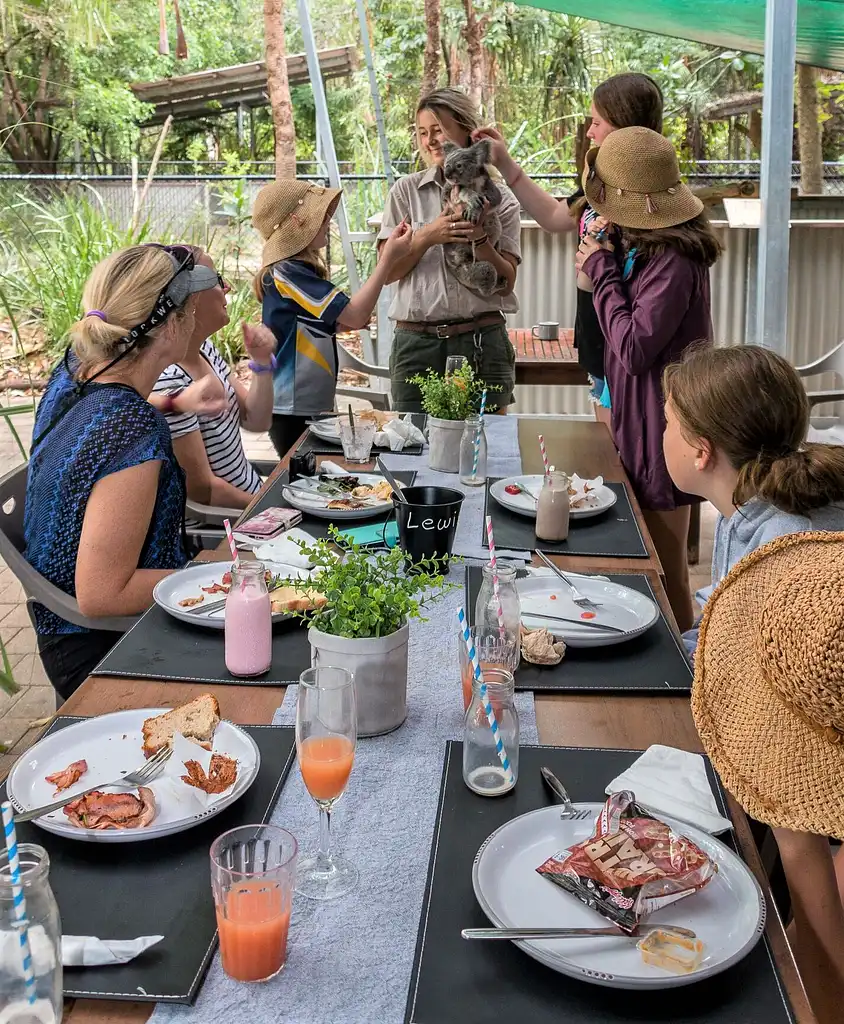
(632, 865)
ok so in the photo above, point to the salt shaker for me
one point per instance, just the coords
(45, 941)
(472, 467)
(552, 508)
(483, 771)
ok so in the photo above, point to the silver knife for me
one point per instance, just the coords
(570, 933)
(574, 622)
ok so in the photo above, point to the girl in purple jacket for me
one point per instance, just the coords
(648, 257)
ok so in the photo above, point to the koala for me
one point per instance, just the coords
(468, 183)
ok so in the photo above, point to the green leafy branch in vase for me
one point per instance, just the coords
(453, 396)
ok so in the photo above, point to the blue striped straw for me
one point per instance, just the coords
(18, 901)
(490, 714)
(478, 438)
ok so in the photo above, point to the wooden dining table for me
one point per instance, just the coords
(618, 722)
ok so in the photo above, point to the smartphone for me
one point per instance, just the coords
(377, 533)
(270, 523)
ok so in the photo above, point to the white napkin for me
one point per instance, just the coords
(332, 469)
(77, 951)
(399, 434)
(673, 782)
(189, 798)
(285, 549)
(578, 484)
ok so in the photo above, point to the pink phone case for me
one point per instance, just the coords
(270, 522)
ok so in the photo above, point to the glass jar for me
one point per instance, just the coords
(249, 628)
(483, 771)
(486, 606)
(472, 466)
(45, 941)
(552, 508)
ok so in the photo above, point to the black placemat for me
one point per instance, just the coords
(319, 446)
(455, 981)
(612, 534)
(159, 646)
(159, 887)
(316, 527)
(655, 662)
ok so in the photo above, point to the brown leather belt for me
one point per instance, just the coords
(451, 330)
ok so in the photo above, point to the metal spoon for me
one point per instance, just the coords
(568, 812)
(391, 480)
(570, 933)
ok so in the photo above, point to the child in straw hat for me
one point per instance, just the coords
(301, 306)
(650, 276)
(768, 702)
(736, 422)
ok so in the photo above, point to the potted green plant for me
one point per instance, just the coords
(448, 399)
(364, 625)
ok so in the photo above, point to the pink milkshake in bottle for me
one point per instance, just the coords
(248, 622)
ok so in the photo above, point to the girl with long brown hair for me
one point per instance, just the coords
(736, 423)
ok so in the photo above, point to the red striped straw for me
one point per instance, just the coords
(544, 453)
(493, 562)
(232, 544)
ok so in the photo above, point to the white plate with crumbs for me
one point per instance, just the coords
(727, 915)
(597, 499)
(112, 746)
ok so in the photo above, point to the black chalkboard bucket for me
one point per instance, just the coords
(427, 521)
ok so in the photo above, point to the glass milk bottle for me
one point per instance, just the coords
(486, 606)
(45, 942)
(552, 508)
(483, 771)
(249, 638)
(472, 467)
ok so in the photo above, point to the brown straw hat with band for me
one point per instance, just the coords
(633, 179)
(288, 214)
(768, 693)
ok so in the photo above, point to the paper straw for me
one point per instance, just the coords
(490, 714)
(18, 901)
(544, 453)
(495, 586)
(478, 438)
(232, 544)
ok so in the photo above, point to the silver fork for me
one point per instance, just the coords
(142, 776)
(576, 596)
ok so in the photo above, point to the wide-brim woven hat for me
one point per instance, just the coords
(633, 180)
(768, 692)
(288, 214)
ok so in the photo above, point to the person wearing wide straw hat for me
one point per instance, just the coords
(301, 306)
(768, 703)
(648, 256)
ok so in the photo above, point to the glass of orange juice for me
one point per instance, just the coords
(326, 734)
(253, 870)
(494, 651)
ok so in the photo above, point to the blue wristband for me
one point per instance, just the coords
(259, 368)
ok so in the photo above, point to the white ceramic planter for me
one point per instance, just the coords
(379, 665)
(444, 443)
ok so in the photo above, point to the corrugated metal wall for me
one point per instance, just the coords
(546, 291)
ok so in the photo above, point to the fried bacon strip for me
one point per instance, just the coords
(100, 810)
(67, 777)
(222, 773)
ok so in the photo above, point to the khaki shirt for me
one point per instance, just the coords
(430, 292)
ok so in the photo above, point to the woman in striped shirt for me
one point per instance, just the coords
(209, 447)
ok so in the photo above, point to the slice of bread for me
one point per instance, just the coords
(197, 720)
(288, 599)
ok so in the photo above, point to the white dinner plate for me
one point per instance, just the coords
(325, 430)
(316, 506)
(728, 915)
(596, 502)
(188, 583)
(112, 746)
(543, 596)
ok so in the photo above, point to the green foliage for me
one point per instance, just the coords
(452, 397)
(368, 595)
(7, 680)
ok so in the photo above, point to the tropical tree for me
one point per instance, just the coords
(809, 131)
(433, 53)
(278, 89)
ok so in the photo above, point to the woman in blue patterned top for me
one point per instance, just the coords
(105, 496)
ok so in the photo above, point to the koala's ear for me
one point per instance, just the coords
(483, 147)
(449, 148)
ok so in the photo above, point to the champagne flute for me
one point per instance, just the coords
(326, 733)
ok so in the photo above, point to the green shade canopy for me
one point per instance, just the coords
(732, 24)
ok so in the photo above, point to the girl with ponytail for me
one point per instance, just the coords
(736, 422)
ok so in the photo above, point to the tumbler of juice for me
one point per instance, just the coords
(253, 871)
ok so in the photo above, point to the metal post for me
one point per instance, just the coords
(330, 156)
(240, 110)
(374, 92)
(777, 128)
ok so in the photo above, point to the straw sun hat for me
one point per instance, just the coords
(768, 693)
(633, 179)
(288, 214)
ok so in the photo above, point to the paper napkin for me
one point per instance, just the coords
(189, 799)
(399, 434)
(77, 951)
(578, 484)
(673, 782)
(285, 549)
